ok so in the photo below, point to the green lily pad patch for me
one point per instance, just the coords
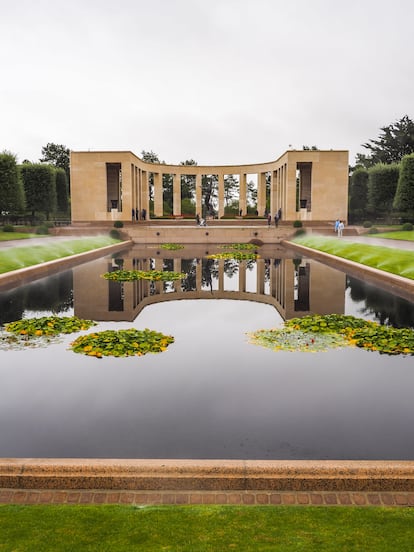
(236, 255)
(240, 246)
(122, 343)
(153, 275)
(316, 333)
(171, 246)
(48, 326)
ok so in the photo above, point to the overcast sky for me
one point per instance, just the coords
(218, 81)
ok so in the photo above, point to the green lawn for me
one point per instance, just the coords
(396, 261)
(8, 236)
(21, 257)
(107, 528)
(397, 235)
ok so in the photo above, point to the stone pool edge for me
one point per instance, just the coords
(167, 481)
(155, 482)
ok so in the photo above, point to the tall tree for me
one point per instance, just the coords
(11, 188)
(57, 155)
(40, 187)
(404, 195)
(62, 196)
(358, 197)
(382, 184)
(394, 141)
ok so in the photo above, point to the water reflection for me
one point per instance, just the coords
(212, 394)
(293, 286)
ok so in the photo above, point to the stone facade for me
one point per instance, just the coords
(307, 185)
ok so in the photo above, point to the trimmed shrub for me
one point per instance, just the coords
(367, 224)
(43, 229)
(407, 227)
(300, 232)
(118, 224)
(297, 224)
(8, 228)
(373, 230)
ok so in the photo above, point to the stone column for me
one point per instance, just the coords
(261, 193)
(177, 194)
(220, 195)
(177, 268)
(242, 193)
(260, 275)
(158, 195)
(145, 203)
(273, 196)
(199, 195)
(242, 276)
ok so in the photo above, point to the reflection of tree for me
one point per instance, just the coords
(54, 294)
(11, 305)
(207, 276)
(388, 309)
(231, 267)
(188, 266)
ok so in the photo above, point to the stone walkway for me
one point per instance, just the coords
(288, 498)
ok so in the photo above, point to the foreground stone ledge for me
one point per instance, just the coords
(200, 476)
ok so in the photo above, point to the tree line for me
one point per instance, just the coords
(35, 191)
(381, 184)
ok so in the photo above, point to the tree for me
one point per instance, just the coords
(188, 181)
(358, 197)
(394, 141)
(404, 195)
(62, 196)
(57, 155)
(150, 157)
(382, 184)
(11, 188)
(40, 188)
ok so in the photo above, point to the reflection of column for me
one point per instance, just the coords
(199, 274)
(220, 195)
(242, 276)
(199, 195)
(261, 193)
(260, 267)
(177, 194)
(273, 280)
(159, 265)
(158, 195)
(177, 268)
(221, 274)
(242, 193)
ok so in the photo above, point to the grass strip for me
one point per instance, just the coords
(204, 528)
(395, 261)
(11, 236)
(22, 257)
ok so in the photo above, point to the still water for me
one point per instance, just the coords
(212, 394)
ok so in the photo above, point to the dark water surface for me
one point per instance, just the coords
(212, 394)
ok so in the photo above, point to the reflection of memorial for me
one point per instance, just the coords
(295, 287)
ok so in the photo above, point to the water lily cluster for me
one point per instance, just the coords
(35, 332)
(316, 333)
(153, 275)
(240, 246)
(172, 246)
(122, 343)
(236, 255)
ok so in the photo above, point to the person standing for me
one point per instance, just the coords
(341, 227)
(336, 225)
(277, 219)
(198, 219)
(279, 213)
(269, 220)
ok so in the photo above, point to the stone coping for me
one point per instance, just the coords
(207, 475)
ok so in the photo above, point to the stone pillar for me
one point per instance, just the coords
(273, 197)
(145, 202)
(177, 268)
(261, 193)
(199, 275)
(220, 195)
(221, 274)
(199, 195)
(242, 193)
(158, 195)
(242, 276)
(177, 194)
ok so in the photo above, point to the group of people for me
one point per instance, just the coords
(276, 218)
(339, 227)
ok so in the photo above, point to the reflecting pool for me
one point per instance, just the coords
(211, 394)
